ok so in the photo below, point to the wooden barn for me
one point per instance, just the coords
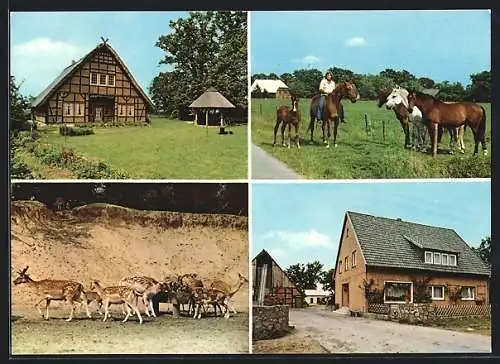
(97, 88)
(270, 280)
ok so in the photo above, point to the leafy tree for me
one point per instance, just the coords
(287, 78)
(18, 105)
(451, 91)
(480, 89)
(341, 75)
(310, 79)
(205, 49)
(484, 250)
(327, 280)
(426, 82)
(399, 77)
(305, 276)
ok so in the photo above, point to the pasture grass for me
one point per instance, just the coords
(169, 149)
(365, 155)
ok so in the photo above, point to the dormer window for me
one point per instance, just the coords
(440, 258)
(428, 257)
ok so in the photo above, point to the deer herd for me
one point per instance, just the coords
(188, 289)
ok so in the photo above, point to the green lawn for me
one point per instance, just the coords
(169, 149)
(362, 155)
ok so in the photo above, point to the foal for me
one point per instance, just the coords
(287, 117)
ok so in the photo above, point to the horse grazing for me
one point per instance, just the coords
(332, 110)
(287, 117)
(451, 115)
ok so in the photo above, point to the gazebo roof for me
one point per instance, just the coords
(211, 99)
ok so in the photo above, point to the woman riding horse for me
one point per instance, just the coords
(326, 87)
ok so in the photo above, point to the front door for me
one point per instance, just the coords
(98, 114)
(345, 295)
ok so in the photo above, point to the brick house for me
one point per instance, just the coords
(398, 260)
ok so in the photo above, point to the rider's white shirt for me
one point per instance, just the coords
(326, 86)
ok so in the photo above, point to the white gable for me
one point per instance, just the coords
(270, 86)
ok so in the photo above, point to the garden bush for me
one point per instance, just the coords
(74, 130)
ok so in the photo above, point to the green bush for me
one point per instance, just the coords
(18, 168)
(473, 166)
(74, 131)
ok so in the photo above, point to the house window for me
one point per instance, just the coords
(93, 78)
(353, 259)
(437, 258)
(398, 292)
(79, 111)
(467, 293)
(111, 80)
(102, 80)
(428, 257)
(436, 292)
(340, 267)
(444, 259)
(311, 300)
(346, 264)
(452, 259)
(68, 109)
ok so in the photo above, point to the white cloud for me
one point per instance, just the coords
(356, 42)
(40, 60)
(310, 59)
(301, 240)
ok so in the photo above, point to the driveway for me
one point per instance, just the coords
(265, 166)
(344, 334)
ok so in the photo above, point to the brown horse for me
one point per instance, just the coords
(332, 109)
(287, 117)
(438, 113)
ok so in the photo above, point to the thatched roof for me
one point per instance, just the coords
(211, 99)
(68, 72)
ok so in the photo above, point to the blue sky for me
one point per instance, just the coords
(442, 45)
(44, 43)
(300, 223)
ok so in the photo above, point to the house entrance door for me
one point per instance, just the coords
(98, 114)
(345, 295)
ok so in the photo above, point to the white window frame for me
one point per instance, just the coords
(432, 293)
(454, 259)
(97, 79)
(471, 289)
(353, 259)
(428, 261)
(434, 258)
(400, 302)
(442, 259)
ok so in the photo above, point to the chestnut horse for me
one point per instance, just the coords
(287, 117)
(451, 115)
(331, 110)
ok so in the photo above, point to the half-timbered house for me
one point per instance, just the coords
(97, 88)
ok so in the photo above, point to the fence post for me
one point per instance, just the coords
(383, 130)
(366, 124)
(260, 109)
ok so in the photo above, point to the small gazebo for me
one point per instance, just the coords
(211, 100)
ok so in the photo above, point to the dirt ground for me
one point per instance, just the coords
(295, 342)
(337, 333)
(108, 243)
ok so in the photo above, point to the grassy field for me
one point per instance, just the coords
(362, 155)
(169, 149)
(478, 325)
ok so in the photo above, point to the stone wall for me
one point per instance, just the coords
(412, 313)
(269, 321)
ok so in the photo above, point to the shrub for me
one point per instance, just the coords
(18, 168)
(74, 131)
(471, 166)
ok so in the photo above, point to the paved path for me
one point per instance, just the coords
(265, 166)
(344, 334)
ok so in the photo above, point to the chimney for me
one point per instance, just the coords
(73, 61)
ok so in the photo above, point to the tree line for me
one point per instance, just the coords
(220, 198)
(205, 49)
(304, 83)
